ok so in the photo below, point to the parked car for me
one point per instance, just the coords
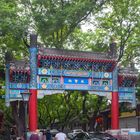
(53, 132)
(81, 136)
(84, 136)
(74, 132)
(101, 136)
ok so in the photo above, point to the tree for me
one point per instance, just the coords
(13, 24)
(56, 20)
(62, 110)
(59, 108)
(88, 41)
(120, 20)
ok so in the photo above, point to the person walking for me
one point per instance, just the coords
(48, 135)
(60, 136)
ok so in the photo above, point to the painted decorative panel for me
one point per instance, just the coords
(97, 66)
(33, 67)
(50, 86)
(44, 71)
(115, 80)
(107, 75)
(19, 77)
(7, 96)
(101, 85)
(74, 73)
(76, 87)
(127, 83)
(15, 94)
(19, 86)
(127, 89)
(101, 88)
(44, 79)
(126, 96)
(53, 80)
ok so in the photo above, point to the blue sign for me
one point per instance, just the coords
(71, 80)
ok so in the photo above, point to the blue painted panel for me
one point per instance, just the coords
(44, 79)
(71, 80)
(76, 87)
(126, 96)
(33, 67)
(107, 75)
(7, 96)
(126, 89)
(100, 82)
(101, 88)
(50, 86)
(44, 71)
(72, 83)
(58, 72)
(74, 73)
(101, 85)
(55, 86)
(55, 80)
(19, 86)
(15, 94)
(55, 72)
(52, 72)
(115, 79)
(96, 82)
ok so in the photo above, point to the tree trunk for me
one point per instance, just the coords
(92, 120)
(84, 110)
(18, 116)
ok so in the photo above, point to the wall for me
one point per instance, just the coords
(130, 122)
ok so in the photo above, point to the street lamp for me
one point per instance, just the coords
(25, 98)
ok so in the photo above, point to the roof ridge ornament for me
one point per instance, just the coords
(112, 53)
(8, 56)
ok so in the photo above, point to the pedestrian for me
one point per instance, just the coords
(60, 136)
(48, 135)
(12, 133)
(34, 136)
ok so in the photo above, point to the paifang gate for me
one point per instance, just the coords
(52, 71)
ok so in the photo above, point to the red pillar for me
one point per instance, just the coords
(115, 111)
(33, 110)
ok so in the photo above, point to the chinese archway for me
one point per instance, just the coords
(51, 71)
